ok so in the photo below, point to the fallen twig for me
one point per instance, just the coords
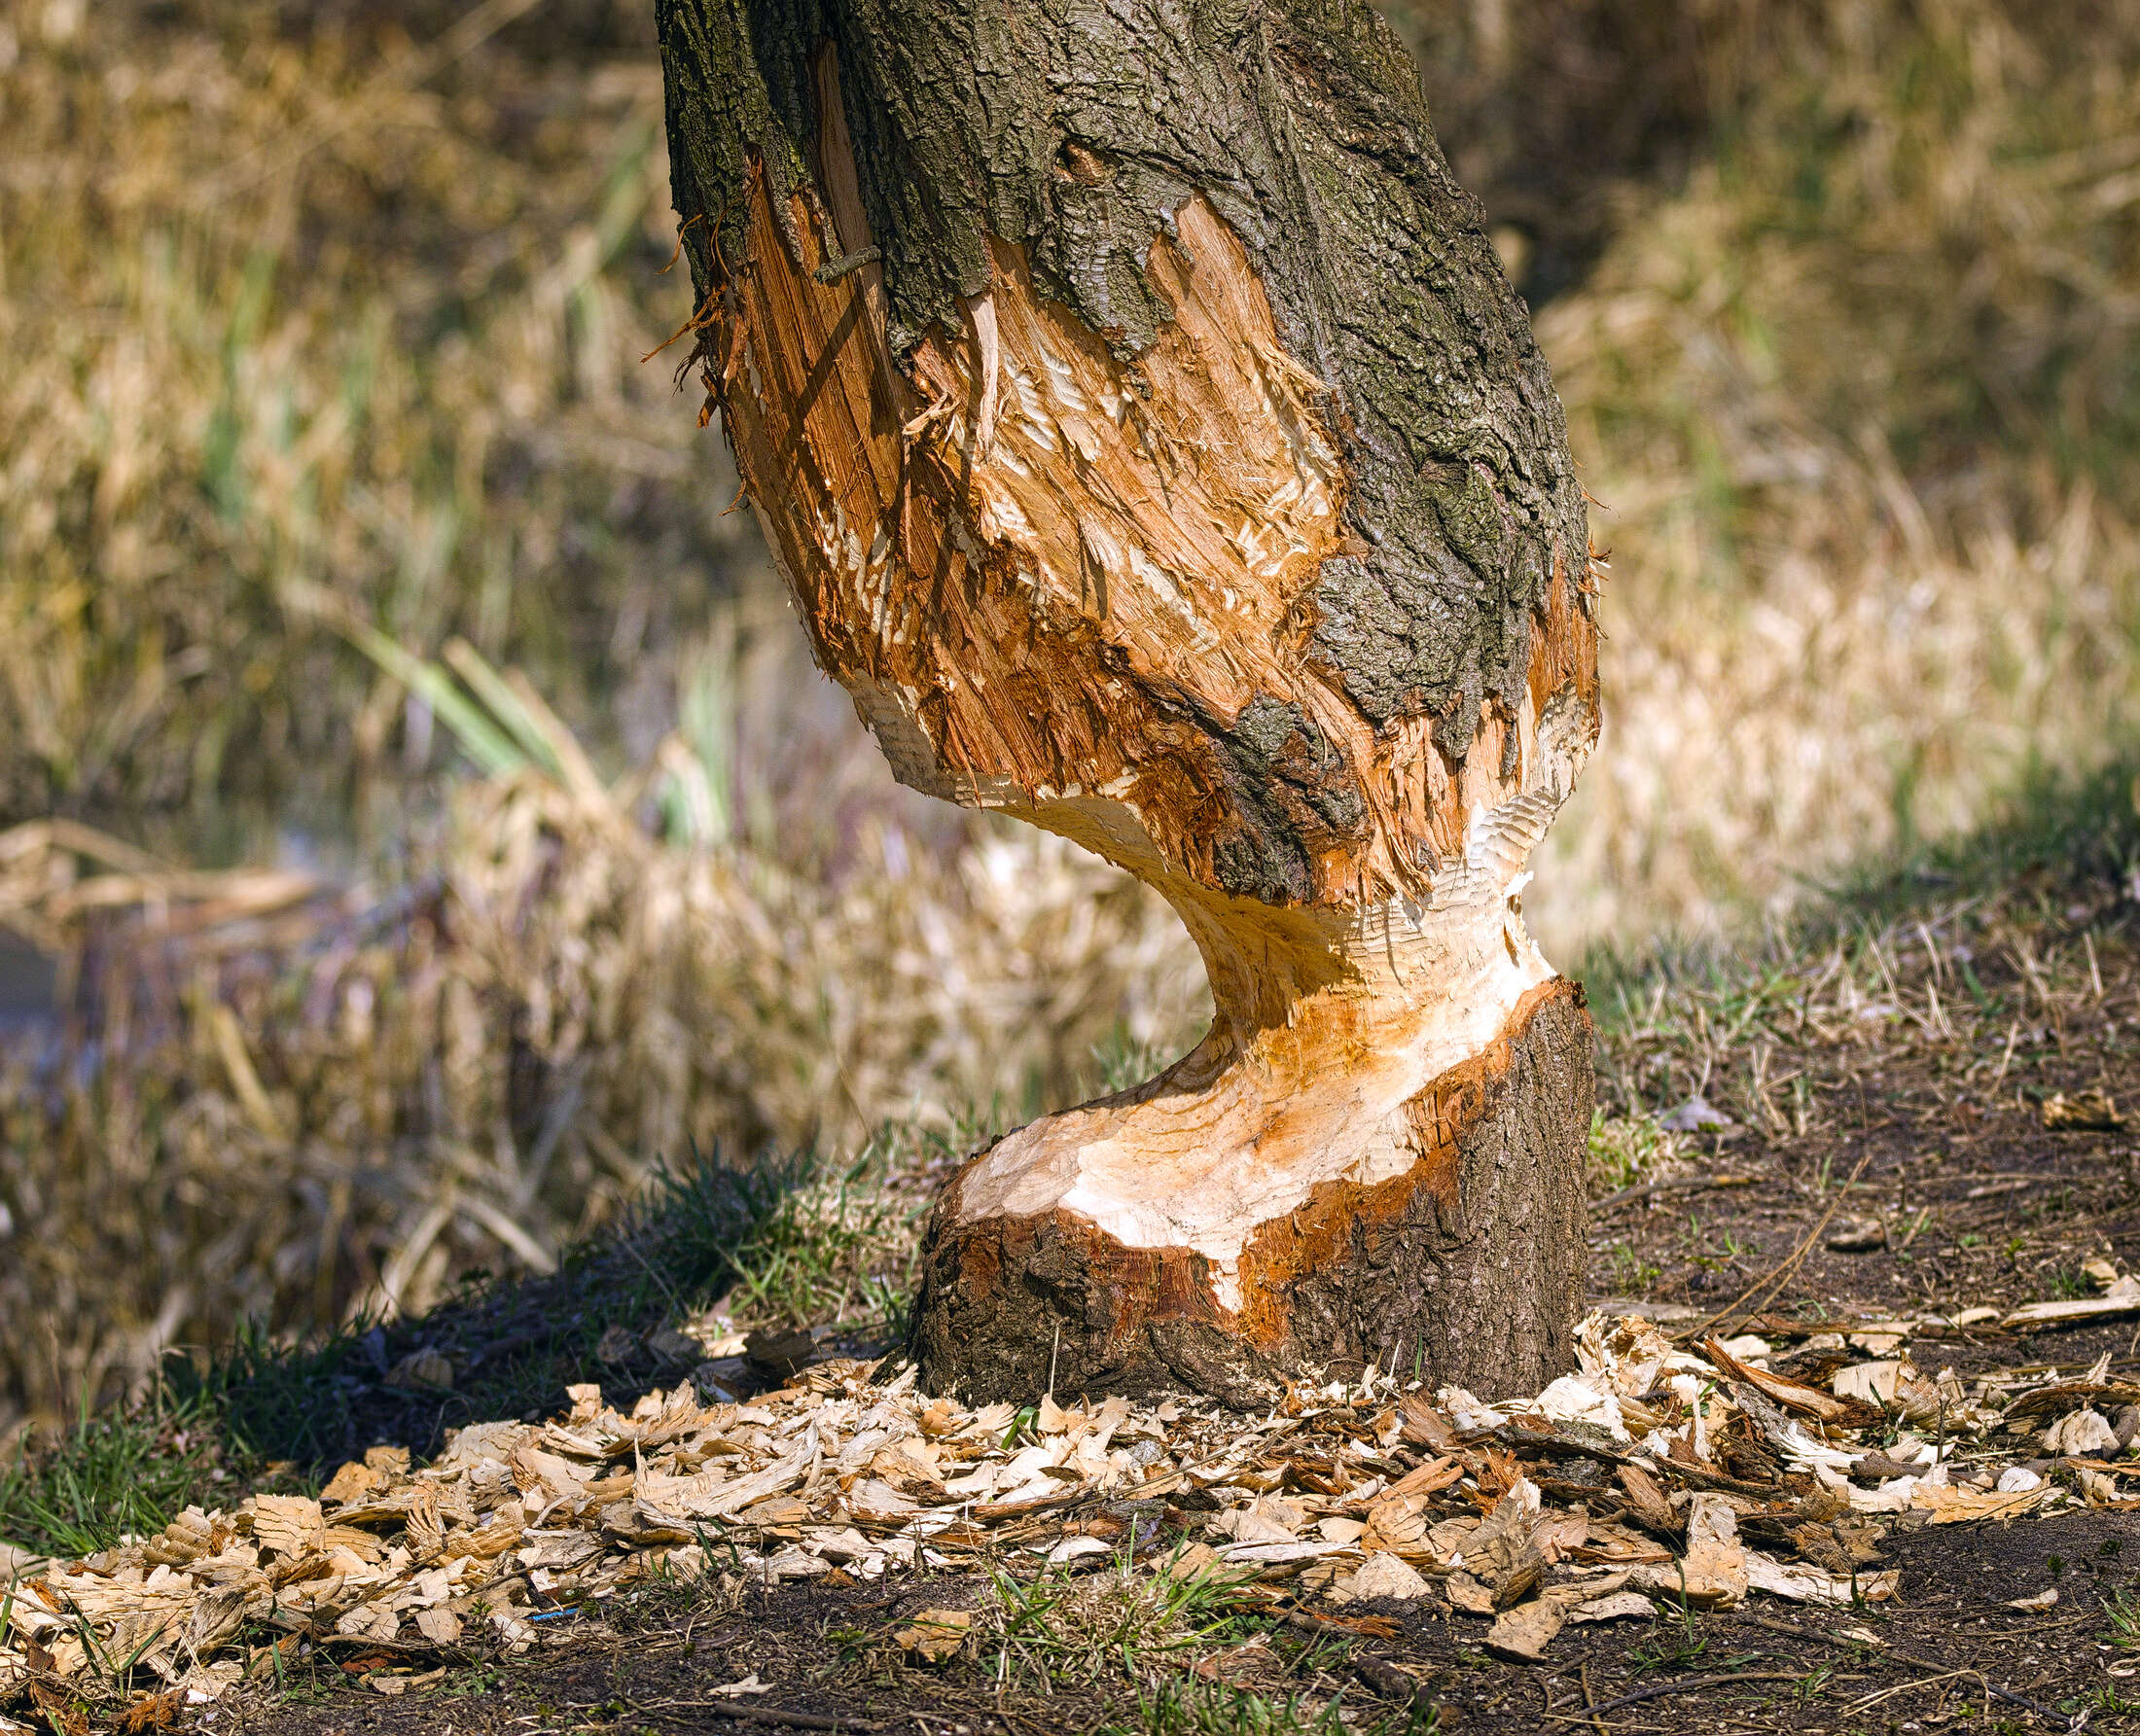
(1903, 1687)
(1590, 1704)
(1686, 1685)
(1905, 1657)
(1678, 1184)
(1777, 1274)
(1748, 1618)
(747, 1713)
(1357, 1627)
(1386, 1679)
(2043, 1628)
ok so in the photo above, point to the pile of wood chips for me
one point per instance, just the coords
(1659, 1471)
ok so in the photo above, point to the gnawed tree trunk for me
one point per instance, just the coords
(1157, 452)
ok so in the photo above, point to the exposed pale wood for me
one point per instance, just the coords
(1058, 619)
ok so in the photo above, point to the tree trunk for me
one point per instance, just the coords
(1157, 453)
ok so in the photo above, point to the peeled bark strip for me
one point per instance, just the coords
(1157, 453)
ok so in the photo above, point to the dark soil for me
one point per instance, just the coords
(1915, 1119)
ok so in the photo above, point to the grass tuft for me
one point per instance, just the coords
(1626, 1150)
(1180, 1706)
(113, 1474)
(1078, 1630)
(836, 1251)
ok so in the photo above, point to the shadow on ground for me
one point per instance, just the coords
(609, 1314)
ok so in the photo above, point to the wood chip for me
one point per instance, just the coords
(1523, 1633)
(1385, 1576)
(1646, 1500)
(934, 1635)
(1792, 1395)
(2122, 1298)
(832, 1479)
(288, 1524)
(1712, 1574)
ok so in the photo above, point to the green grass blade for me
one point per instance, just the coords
(494, 752)
(496, 693)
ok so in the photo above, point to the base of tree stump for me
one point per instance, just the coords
(1464, 1267)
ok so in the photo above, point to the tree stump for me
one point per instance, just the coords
(1157, 451)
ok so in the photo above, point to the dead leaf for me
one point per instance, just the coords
(159, 1712)
(934, 1635)
(2102, 1490)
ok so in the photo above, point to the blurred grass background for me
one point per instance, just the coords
(347, 540)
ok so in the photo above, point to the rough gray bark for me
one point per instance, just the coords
(1078, 129)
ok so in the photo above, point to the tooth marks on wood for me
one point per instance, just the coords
(1104, 600)
(1411, 1270)
(1183, 477)
(1078, 137)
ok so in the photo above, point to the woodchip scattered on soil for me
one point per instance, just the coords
(1660, 1473)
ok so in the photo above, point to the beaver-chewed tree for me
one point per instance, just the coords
(1157, 453)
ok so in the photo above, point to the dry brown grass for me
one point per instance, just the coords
(1859, 387)
(1862, 400)
(345, 1109)
(274, 315)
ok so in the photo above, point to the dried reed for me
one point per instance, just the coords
(301, 1106)
(1861, 397)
